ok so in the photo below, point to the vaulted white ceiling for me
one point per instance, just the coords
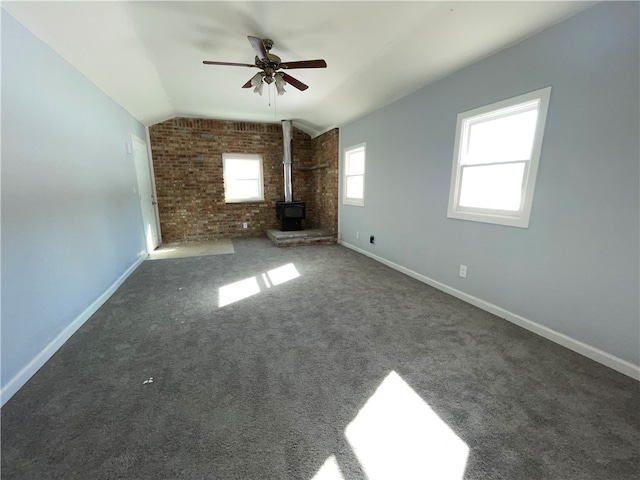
(147, 55)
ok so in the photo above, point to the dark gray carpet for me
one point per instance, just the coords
(265, 387)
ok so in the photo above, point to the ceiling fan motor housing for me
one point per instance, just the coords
(274, 62)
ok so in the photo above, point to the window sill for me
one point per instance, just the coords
(521, 221)
(244, 202)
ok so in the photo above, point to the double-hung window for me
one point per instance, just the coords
(496, 158)
(354, 158)
(242, 178)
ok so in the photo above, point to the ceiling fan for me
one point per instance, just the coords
(270, 64)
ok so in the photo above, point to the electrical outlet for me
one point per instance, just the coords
(244, 225)
(357, 235)
(463, 271)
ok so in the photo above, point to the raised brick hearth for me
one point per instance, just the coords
(301, 237)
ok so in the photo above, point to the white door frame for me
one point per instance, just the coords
(155, 222)
(153, 186)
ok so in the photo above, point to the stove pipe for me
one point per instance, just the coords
(287, 131)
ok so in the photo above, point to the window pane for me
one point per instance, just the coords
(355, 164)
(502, 139)
(242, 189)
(355, 187)
(495, 187)
(242, 178)
(236, 168)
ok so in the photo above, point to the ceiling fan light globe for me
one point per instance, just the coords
(256, 79)
(280, 83)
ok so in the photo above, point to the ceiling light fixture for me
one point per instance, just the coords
(270, 64)
(260, 78)
(256, 81)
(280, 83)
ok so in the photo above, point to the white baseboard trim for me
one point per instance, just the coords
(600, 356)
(47, 352)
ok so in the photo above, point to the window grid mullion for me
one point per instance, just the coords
(489, 164)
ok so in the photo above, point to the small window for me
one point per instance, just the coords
(242, 178)
(496, 158)
(354, 158)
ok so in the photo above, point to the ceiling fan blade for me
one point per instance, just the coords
(304, 64)
(258, 47)
(248, 84)
(294, 82)
(231, 64)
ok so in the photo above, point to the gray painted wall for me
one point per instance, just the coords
(576, 268)
(71, 221)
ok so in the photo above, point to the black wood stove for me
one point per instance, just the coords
(290, 215)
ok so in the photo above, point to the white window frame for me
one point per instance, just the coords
(519, 218)
(358, 202)
(242, 156)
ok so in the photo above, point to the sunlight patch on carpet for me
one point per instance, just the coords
(283, 274)
(236, 291)
(397, 435)
(329, 470)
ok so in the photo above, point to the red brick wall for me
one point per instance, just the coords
(325, 152)
(187, 160)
